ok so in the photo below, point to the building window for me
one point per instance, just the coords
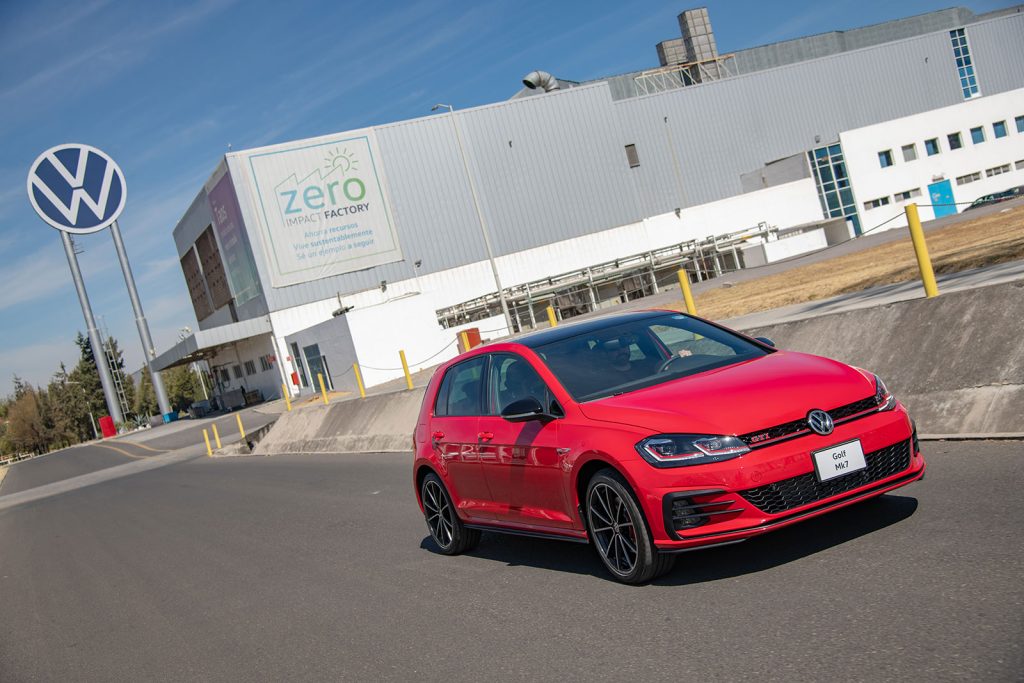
(875, 203)
(299, 367)
(632, 157)
(264, 363)
(999, 129)
(978, 135)
(1020, 123)
(885, 158)
(909, 152)
(1019, 165)
(907, 194)
(931, 147)
(969, 178)
(954, 141)
(964, 64)
(828, 165)
(224, 376)
(250, 367)
(237, 370)
(997, 170)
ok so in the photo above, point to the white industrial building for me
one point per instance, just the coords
(305, 257)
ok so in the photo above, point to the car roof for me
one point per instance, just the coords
(569, 330)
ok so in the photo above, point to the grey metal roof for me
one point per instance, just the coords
(204, 343)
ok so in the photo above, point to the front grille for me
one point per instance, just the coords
(765, 436)
(792, 493)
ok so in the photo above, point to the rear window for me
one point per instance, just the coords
(461, 391)
(641, 353)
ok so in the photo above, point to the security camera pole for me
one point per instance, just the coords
(479, 214)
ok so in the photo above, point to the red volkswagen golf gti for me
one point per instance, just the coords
(649, 434)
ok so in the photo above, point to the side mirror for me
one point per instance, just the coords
(523, 410)
(765, 340)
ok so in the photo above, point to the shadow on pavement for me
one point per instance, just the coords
(758, 554)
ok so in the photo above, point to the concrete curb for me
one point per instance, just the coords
(1007, 436)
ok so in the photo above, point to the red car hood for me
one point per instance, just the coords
(738, 399)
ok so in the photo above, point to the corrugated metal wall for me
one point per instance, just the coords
(553, 167)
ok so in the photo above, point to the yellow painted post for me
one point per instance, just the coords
(552, 320)
(405, 367)
(216, 435)
(206, 438)
(241, 429)
(323, 388)
(359, 380)
(287, 397)
(465, 340)
(684, 284)
(921, 250)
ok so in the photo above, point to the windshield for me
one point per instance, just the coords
(642, 353)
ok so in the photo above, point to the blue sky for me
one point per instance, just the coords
(165, 87)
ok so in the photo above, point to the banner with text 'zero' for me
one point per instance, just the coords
(322, 207)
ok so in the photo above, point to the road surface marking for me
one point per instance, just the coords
(122, 451)
(148, 448)
(3, 474)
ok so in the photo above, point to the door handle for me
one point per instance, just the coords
(485, 436)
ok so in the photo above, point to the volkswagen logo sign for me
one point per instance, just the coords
(76, 188)
(821, 422)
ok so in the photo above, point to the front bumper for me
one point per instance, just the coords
(775, 486)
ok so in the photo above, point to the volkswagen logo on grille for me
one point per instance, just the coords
(820, 422)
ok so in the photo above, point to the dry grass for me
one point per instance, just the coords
(993, 239)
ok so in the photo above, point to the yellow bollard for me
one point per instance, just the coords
(216, 435)
(684, 284)
(552, 320)
(465, 340)
(206, 437)
(921, 250)
(405, 367)
(323, 389)
(241, 430)
(287, 397)
(359, 380)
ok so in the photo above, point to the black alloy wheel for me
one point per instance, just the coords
(449, 533)
(619, 532)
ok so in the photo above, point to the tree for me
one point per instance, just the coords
(68, 408)
(145, 398)
(25, 428)
(88, 378)
(182, 387)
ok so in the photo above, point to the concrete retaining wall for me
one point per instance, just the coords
(956, 361)
(379, 423)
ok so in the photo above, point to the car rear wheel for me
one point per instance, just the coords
(449, 533)
(619, 532)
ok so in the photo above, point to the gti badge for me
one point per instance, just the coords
(821, 422)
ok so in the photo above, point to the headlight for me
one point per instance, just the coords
(883, 399)
(680, 450)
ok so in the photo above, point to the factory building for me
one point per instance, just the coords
(305, 257)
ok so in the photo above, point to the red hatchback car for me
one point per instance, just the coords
(649, 434)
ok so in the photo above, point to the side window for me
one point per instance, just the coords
(460, 392)
(513, 378)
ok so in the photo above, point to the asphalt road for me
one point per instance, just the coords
(319, 568)
(99, 455)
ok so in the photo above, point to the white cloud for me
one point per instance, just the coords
(36, 362)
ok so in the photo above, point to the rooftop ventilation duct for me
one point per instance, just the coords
(540, 79)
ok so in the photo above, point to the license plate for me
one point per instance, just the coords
(839, 460)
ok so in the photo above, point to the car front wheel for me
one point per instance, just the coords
(619, 533)
(449, 533)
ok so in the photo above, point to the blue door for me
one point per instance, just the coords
(941, 195)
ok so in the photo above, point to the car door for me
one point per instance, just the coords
(521, 460)
(454, 429)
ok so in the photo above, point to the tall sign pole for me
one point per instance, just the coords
(106, 381)
(148, 351)
(79, 190)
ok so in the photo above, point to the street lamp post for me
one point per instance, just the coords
(479, 214)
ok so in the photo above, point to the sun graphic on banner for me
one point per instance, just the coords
(342, 161)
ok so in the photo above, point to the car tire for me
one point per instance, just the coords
(619, 531)
(451, 536)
